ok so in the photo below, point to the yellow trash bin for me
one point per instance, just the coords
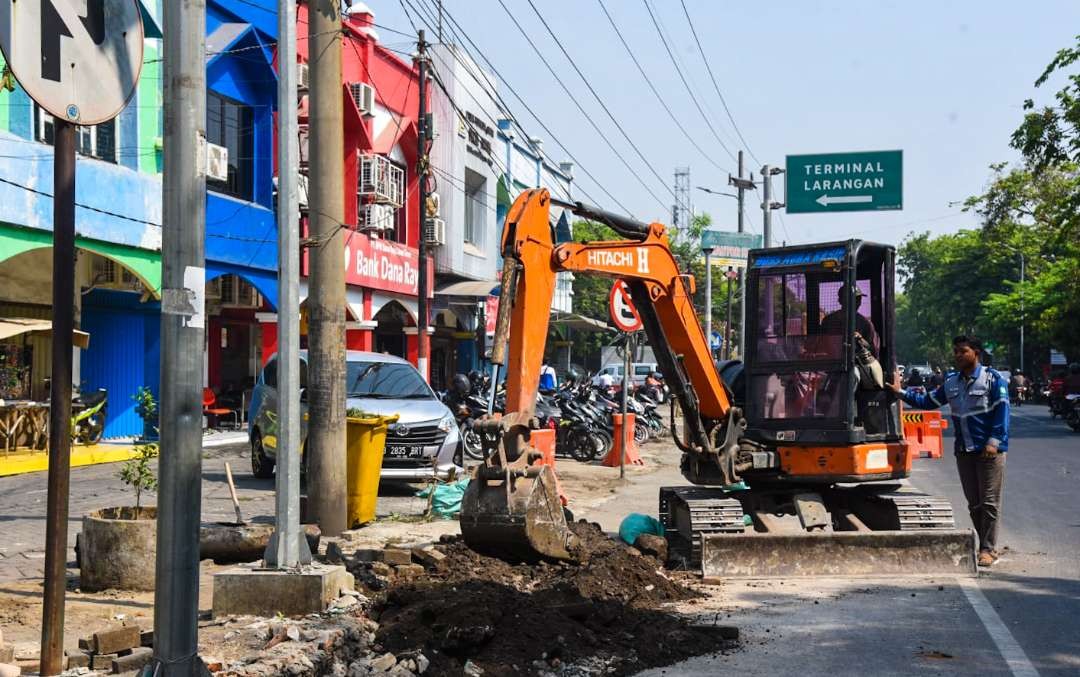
(365, 441)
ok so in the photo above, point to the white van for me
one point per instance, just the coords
(639, 371)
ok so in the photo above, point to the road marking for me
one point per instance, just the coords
(1007, 645)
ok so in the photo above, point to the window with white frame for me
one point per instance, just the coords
(475, 207)
(96, 141)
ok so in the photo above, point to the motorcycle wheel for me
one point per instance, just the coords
(603, 441)
(1073, 419)
(471, 443)
(582, 448)
(641, 432)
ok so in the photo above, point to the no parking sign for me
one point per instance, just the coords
(623, 313)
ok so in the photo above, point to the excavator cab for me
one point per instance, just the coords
(817, 317)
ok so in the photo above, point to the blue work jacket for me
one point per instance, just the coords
(979, 407)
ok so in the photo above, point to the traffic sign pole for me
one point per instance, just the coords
(63, 324)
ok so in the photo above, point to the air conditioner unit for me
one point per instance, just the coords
(303, 77)
(217, 162)
(378, 218)
(363, 96)
(381, 180)
(435, 231)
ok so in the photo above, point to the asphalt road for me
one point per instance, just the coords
(1021, 617)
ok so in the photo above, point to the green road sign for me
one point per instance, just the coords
(729, 249)
(845, 182)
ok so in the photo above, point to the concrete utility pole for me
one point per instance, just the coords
(707, 251)
(326, 301)
(741, 185)
(766, 205)
(422, 343)
(183, 338)
(288, 547)
(63, 297)
(727, 327)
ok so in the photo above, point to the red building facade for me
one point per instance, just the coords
(380, 95)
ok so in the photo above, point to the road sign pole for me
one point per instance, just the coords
(183, 336)
(708, 297)
(627, 349)
(766, 205)
(63, 299)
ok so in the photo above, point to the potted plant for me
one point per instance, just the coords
(147, 408)
(117, 545)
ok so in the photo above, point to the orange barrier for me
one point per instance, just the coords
(543, 440)
(923, 431)
(613, 456)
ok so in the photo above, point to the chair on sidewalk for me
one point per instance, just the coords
(209, 399)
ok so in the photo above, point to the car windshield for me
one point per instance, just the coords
(385, 380)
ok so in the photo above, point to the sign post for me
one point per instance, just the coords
(81, 64)
(731, 250)
(845, 182)
(626, 319)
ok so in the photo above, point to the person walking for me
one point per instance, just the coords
(978, 397)
(938, 379)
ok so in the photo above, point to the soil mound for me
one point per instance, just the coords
(602, 615)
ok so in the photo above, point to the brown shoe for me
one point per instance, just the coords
(987, 558)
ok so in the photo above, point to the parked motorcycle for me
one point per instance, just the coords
(88, 417)
(1072, 412)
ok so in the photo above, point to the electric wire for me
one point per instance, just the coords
(581, 108)
(686, 85)
(459, 33)
(716, 86)
(656, 92)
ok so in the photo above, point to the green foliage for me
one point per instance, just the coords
(145, 405)
(591, 291)
(138, 474)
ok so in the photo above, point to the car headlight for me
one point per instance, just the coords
(447, 423)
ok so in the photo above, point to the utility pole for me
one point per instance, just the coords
(63, 323)
(1022, 318)
(741, 185)
(288, 547)
(326, 301)
(767, 206)
(183, 338)
(727, 327)
(422, 344)
(707, 251)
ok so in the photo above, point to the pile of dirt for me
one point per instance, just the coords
(604, 612)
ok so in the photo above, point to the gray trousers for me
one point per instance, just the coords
(983, 481)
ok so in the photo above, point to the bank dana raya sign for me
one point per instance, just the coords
(381, 264)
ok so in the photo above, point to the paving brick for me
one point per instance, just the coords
(408, 571)
(394, 556)
(102, 661)
(429, 557)
(135, 660)
(78, 659)
(117, 639)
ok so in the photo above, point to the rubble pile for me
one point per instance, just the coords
(466, 613)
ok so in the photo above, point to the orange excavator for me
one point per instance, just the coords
(795, 456)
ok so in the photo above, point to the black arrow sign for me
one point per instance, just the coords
(53, 29)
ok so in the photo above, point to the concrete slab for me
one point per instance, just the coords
(267, 592)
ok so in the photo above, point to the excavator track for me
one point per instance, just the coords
(916, 511)
(689, 512)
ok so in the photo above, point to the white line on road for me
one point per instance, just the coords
(1008, 646)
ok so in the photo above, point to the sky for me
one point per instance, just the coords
(942, 81)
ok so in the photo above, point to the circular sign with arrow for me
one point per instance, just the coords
(623, 313)
(78, 59)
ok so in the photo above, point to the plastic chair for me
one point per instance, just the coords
(209, 399)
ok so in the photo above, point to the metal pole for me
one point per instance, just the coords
(1022, 318)
(766, 205)
(742, 272)
(727, 328)
(284, 550)
(708, 299)
(326, 301)
(63, 300)
(625, 390)
(183, 337)
(422, 344)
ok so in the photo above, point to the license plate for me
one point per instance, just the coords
(410, 451)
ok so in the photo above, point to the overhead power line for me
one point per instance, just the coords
(689, 89)
(462, 36)
(716, 86)
(656, 92)
(581, 108)
(592, 90)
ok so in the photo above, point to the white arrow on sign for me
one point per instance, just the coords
(825, 200)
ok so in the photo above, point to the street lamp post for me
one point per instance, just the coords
(1023, 266)
(707, 251)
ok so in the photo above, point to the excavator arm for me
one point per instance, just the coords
(511, 506)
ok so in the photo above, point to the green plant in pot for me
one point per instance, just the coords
(117, 544)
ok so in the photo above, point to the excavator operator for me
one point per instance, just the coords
(836, 321)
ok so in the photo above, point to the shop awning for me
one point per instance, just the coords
(578, 322)
(478, 288)
(15, 326)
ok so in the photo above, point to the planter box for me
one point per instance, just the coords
(116, 551)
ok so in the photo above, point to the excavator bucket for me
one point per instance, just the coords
(516, 515)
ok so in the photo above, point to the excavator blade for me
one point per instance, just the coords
(517, 517)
